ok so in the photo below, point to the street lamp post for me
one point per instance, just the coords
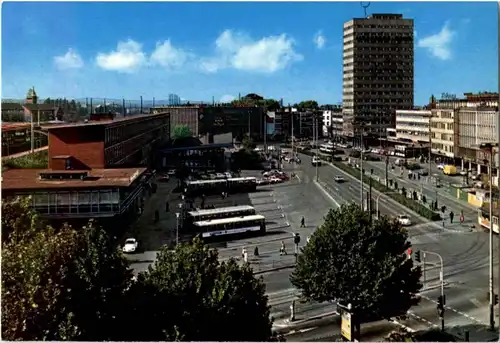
(316, 144)
(488, 147)
(441, 278)
(376, 201)
(177, 215)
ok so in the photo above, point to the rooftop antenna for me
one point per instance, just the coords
(365, 5)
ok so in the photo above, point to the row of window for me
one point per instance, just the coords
(76, 198)
(120, 151)
(114, 135)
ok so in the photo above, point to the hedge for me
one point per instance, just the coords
(36, 160)
(409, 203)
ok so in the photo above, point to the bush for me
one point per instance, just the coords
(409, 203)
(37, 160)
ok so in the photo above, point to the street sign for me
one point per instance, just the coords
(346, 325)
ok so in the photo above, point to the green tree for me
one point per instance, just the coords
(63, 285)
(181, 131)
(307, 105)
(350, 260)
(248, 144)
(189, 295)
(18, 219)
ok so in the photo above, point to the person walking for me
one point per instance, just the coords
(451, 217)
(282, 249)
(302, 222)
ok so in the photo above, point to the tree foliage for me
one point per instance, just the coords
(254, 100)
(187, 294)
(63, 285)
(432, 335)
(181, 131)
(18, 219)
(352, 261)
(307, 105)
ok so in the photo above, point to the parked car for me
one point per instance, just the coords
(316, 161)
(171, 172)
(404, 220)
(130, 246)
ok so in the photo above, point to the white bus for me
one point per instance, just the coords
(231, 185)
(326, 148)
(219, 213)
(483, 219)
(241, 226)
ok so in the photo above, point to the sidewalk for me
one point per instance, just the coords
(152, 236)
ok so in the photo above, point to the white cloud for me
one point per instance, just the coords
(168, 56)
(319, 40)
(127, 57)
(70, 60)
(439, 44)
(235, 50)
(227, 98)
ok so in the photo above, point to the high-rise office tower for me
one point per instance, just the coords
(378, 74)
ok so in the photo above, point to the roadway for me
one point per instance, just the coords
(465, 256)
(429, 189)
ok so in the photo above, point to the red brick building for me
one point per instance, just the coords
(123, 142)
(96, 169)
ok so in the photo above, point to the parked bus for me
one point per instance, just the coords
(484, 218)
(230, 185)
(236, 226)
(219, 213)
(326, 148)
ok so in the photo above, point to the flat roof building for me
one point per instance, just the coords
(377, 73)
(96, 169)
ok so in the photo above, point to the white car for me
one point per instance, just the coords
(440, 166)
(130, 245)
(171, 172)
(404, 220)
(339, 179)
(274, 179)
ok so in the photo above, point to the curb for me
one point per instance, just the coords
(274, 269)
(388, 198)
(325, 192)
(290, 325)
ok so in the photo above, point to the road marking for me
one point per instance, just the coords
(476, 302)
(402, 325)
(326, 193)
(457, 311)
(308, 329)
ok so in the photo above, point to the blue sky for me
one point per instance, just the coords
(203, 50)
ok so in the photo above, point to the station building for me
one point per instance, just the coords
(96, 169)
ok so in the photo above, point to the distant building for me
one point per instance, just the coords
(15, 112)
(377, 73)
(174, 100)
(333, 121)
(181, 115)
(413, 126)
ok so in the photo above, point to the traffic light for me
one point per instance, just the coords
(417, 256)
(495, 299)
(440, 306)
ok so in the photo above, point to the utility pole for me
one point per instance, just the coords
(361, 177)
(492, 294)
(316, 144)
(32, 134)
(265, 131)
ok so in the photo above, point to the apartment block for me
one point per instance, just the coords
(333, 121)
(475, 126)
(377, 73)
(413, 125)
(443, 126)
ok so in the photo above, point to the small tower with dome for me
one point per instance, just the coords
(31, 97)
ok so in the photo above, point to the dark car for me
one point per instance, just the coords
(423, 172)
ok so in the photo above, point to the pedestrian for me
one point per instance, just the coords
(451, 217)
(302, 222)
(462, 219)
(167, 207)
(282, 249)
(245, 257)
(243, 251)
